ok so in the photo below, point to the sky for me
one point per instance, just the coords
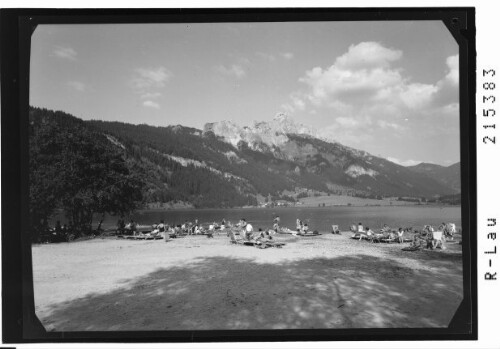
(387, 87)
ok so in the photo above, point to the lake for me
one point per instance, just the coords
(318, 218)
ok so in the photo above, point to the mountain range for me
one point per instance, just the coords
(226, 165)
(447, 175)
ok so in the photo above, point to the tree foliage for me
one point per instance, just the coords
(77, 170)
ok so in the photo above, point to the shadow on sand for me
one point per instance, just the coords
(225, 293)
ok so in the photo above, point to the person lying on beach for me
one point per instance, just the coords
(271, 232)
(367, 234)
(263, 239)
(154, 232)
(418, 239)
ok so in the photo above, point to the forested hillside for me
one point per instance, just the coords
(447, 175)
(203, 169)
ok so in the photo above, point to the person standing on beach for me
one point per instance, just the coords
(247, 228)
(276, 223)
(299, 225)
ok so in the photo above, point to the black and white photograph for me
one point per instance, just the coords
(246, 175)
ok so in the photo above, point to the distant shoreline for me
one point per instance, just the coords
(286, 207)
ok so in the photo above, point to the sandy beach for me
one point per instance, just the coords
(196, 283)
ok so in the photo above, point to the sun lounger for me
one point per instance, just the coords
(154, 237)
(274, 244)
(234, 240)
(411, 248)
(313, 233)
(285, 231)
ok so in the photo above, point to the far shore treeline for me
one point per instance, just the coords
(89, 169)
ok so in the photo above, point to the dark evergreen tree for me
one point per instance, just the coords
(77, 170)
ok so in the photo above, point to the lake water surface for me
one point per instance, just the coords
(318, 218)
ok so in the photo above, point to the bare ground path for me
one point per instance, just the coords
(199, 283)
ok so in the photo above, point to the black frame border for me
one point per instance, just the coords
(20, 324)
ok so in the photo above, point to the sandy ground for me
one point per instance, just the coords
(196, 283)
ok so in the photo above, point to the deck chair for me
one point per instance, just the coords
(335, 229)
(275, 244)
(234, 240)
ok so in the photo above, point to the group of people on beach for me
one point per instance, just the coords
(243, 227)
(247, 231)
(385, 233)
(427, 236)
(171, 230)
(301, 227)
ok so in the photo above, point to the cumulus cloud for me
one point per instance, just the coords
(348, 85)
(404, 162)
(390, 125)
(364, 76)
(417, 95)
(77, 85)
(234, 70)
(452, 63)
(150, 78)
(150, 95)
(364, 99)
(151, 104)
(148, 82)
(447, 92)
(367, 55)
(298, 102)
(65, 53)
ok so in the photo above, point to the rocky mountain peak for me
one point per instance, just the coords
(282, 117)
(272, 133)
